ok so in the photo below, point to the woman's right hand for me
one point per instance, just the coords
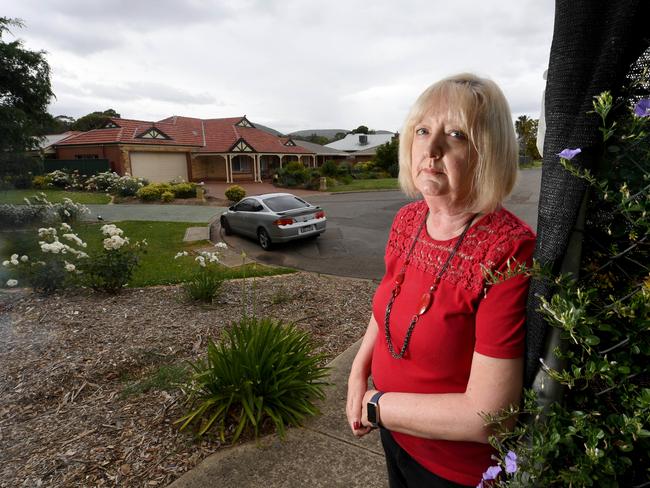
(357, 387)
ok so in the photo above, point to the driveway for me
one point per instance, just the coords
(357, 231)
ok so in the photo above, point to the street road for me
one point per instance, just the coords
(357, 231)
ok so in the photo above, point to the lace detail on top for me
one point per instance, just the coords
(490, 243)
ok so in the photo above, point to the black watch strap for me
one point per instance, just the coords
(373, 409)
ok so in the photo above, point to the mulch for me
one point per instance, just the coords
(68, 360)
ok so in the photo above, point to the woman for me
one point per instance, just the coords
(443, 345)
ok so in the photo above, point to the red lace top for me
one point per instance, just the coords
(466, 316)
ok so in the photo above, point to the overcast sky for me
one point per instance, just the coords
(289, 64)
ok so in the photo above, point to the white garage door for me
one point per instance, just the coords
(157, 167)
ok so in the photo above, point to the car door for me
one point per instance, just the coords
(240, 217)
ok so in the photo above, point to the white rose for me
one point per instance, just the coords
(6, 263)
(221, 245)
(14, 257)
(24, 259)
(69, 267)
(12, 283)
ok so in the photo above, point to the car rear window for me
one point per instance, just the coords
(285, 202)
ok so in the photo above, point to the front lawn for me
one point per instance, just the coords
(158, 266)
(17, 197)
(361, 185)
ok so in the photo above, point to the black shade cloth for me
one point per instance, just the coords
(595, 42)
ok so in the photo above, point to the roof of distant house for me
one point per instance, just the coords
(320, 150)
(50, 139)
(203, 135)
(360, 142)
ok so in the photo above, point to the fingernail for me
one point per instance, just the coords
(356, 425)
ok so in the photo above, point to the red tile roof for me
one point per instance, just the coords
(206, 136)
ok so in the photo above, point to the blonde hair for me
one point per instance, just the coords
(482, 110)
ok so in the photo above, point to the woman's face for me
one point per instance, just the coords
(440, 157)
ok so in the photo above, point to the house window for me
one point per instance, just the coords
(241, 165)
(86, 156)
(111, 125)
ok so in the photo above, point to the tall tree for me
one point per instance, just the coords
(94, 120)
(526, 129)
(387, 157)
(25, 91)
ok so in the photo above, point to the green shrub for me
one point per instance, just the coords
(167, 196)
(235, 193)
(41, 182)
(261, 371)
(329, 168)
(204, 286)
(293, 166)
(110, 269)
(344, 168)
(127, 186)
(149, 193)
(55, 267)
(184, 190)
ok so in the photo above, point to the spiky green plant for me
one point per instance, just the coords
(261, 370)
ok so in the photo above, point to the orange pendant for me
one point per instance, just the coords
(425, 303)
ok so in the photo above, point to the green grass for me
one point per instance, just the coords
(158, 266)
(164, 378)
(17, 197)
(377, 184)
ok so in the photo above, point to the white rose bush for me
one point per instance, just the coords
(110, 269)
(206, 282)
(64, 261)
(56, 267)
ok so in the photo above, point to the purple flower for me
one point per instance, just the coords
(511, 462)
(492, 473)
(570, 153)
(642, 108)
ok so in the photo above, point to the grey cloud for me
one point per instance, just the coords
(139, 90)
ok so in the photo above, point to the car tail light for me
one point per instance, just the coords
(284, 221)
(320, 215)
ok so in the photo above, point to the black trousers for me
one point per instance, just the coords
(406, 472)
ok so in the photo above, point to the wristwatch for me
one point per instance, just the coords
(373, 409)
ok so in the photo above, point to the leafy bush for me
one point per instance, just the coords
(599, 433)
(167, 196)
(262, 371)
(150, 192)
(41, 182)
(293, 174)
(127, 186)
(235, 193)
(59, 178)
(329, 168)
(206, 283)
(39, 211)
(57, 265)
(17, 216)
(110, 269)
(184, 190)
(102, 182)
(344, 168)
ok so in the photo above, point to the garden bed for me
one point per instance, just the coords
(87, 391)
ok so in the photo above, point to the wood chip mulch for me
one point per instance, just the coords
(69, 361)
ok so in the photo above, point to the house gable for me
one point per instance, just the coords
(244, 122)
(153, 133)
(110, 125)
(241, 146)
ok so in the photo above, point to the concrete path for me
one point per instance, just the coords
(162, 213)
(324, 453)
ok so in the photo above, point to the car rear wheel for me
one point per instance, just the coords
(225, 226)
(264, 239)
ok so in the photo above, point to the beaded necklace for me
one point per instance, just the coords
(427, 298)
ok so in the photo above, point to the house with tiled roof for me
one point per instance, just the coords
(229, 149)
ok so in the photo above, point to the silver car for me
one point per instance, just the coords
(273, 218)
